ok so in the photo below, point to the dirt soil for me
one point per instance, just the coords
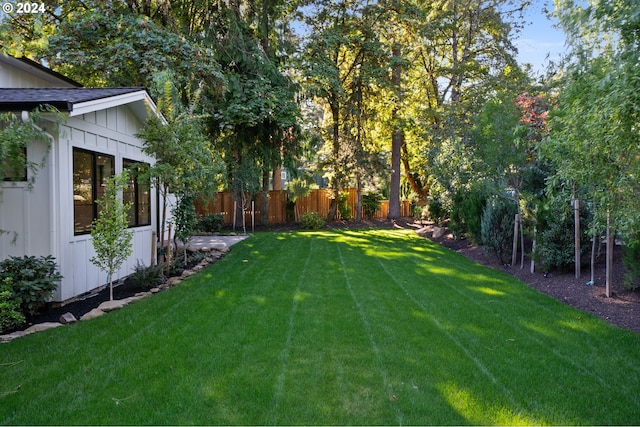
(621, 309)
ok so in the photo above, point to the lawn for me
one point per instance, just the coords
(330, 327)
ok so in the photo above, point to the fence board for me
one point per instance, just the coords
(317, 201)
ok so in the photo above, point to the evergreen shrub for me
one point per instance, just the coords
(437, 212)
(466, 213)
(497, 227)
(555, 243)
(631, 261)
(370, 204)
(211, 223)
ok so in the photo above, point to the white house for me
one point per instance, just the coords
(97, 140)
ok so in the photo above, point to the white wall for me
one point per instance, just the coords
(108, 132)
(24, 211)
(17, 74)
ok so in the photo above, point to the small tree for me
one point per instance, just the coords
(111, 240)
(185, 219)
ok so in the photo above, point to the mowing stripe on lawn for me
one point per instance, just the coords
(321, 328)
(287, 346)
(367, 326)
(591, 371)
(449, 335)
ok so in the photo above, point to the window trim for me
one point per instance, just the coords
(126, 165)
(94, 182)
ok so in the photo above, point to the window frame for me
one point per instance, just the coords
(95, 179)
(127, 165)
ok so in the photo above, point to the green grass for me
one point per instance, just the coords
(332, 327)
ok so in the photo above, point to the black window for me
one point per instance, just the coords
(90, 173)
(137, 193)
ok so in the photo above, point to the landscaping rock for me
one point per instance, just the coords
(42, 327)
(68, 318)
(154, 290)
(173, 281)
(12, 336)
(438, 232)
(187, 273)
(108, 306)
(92, 314)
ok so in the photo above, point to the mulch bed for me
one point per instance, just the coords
(621, 309)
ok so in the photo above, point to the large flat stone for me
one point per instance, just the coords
(42, 327)
(92, 314)
(12, 336)
(108, 306)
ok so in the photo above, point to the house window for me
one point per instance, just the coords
(138, 194)
(16, 172)
(90, 173)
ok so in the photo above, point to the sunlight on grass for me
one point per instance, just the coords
(340, 327)
(486, 290)
(477, 412)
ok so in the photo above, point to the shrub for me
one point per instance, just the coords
(10, 316)
(466, 213)
(497, 227)
(34, 280)
(437, 211)
(147, 277)
(211, 223)
(370, 204)
(343, 207)
(555, 244)
(312, 221)
(631, 260)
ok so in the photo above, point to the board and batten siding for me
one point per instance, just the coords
(109, 132)
(24, 211)
(15, 74)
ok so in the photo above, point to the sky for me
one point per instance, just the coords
(539, 38)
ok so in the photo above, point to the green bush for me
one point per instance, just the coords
(211, 223)
(466, 213)
(497, 227)
(34, 280)
(10, 316)
(147, 277)
(370, 204)
(343, 207)
(555, 243)
(312, 221)
(437, 211)
(631, 260)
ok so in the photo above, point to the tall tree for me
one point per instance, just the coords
(462, 52)
(343, 62)
(594, 137)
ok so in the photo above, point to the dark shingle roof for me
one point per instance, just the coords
(61, 98)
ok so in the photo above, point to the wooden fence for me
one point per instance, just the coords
(317, 201)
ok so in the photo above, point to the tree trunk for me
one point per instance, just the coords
(358, 198)
(396, 144)
(277, 178)
(264, 203)
(576, 216)
(335, 180)
(609, 260)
